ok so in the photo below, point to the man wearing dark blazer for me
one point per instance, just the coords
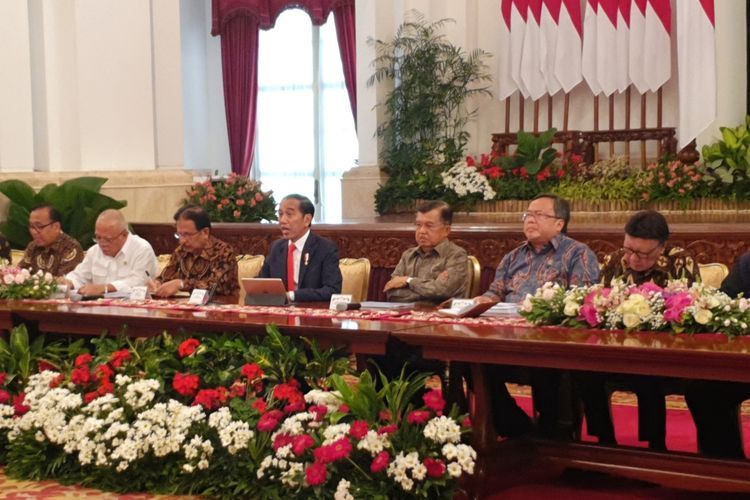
(314, 260)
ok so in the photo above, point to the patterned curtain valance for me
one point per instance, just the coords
(267, 11)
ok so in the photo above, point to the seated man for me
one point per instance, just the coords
(435, 269)
(715, 405)
(50, 250)
(118, 262)
(547, 255)
(644, 256)
(307, 263)
(199, 261)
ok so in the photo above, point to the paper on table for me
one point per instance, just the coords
(387, 305)
(503, 309)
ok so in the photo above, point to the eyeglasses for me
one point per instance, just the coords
(428, 226)
(641, 255)
(538, 215)
(39, 227)
(106, 239)
(182, 236)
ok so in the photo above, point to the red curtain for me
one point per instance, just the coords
(238, 22)
(343, 14)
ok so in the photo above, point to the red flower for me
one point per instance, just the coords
(470, 161)
(18, 405)
(434, 401)
(90, 396)
(57, 381)
(418, 417)
(188, 347)
(106, 387)
(344, 408)
(260, 405)
(466, 422)
(316, 474)
(385, 415)
(434, 466)
(295, 407)
(269, 421)
(81, 375)
(4, 396)
(359, 429)
(388, 429)
(83, 359)
(282, 440)
(104, 372)
(45, 366)
(380, 462)
(289, 392)
(302, 443)
(252, 371)
(186, 384)
(337, 450)
(210, 399)
(237, 390)
(319, 411)
(118, 358)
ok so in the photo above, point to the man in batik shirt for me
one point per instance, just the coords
(548, 255)
(200, 260)
(644, 257)
(50, 250)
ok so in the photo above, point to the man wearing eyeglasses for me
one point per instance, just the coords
(50, 249)
(436, 268)
(644, 257)
(118, 261)
(547, 255)
(200, 260)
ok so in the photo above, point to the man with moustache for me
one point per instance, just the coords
(50, 250)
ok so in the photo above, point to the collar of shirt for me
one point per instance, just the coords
(439, 249)
(554, 243)
(300, 243)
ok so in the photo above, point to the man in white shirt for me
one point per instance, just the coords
(118, 262)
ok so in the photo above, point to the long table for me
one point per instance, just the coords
(714, 357)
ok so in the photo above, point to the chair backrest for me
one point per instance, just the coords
(713, 273)
(16, 256)
(248, 266)
(356, 278)
(473, 277)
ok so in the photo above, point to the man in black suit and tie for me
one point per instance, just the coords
(312, 261)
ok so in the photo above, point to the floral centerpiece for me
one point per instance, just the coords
(18, 283)
(676, 307)
(233, 198)
(230, 417)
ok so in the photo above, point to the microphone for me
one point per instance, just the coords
(351, 306)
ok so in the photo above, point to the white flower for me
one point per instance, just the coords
(442, 429)
(465, 180)
(342, 491)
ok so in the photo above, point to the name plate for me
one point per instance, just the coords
(199, 297)
(340, 298)
(139, 293)
(461, 303)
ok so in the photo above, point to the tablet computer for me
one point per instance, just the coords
(264, 291)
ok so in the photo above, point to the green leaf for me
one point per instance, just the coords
(18, 192)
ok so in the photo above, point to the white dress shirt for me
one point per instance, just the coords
(134, 265)
(298, 246)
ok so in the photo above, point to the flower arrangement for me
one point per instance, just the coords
(671, 180)
(230, 417)
(18, 283)
(465, 180)
(677, 308)
(233, 198)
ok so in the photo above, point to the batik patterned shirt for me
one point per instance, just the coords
(215, 265)
(58, 259)
(523, 270)
(673, 263)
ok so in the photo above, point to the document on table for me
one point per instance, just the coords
(387, 305)
(502, 309)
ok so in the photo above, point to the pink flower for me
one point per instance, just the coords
(434, 466)
(388, 429)
(589, 313)
(418, 417)
(4, 396)
(268, 422)
(282, 440)
(380, 462)
(302, 443)
(358, 429)
(434, 401)
(648, 287)
(338, 450)
(319, 411)
(316, 474)
(675, 306)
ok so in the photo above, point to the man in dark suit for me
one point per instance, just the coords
(311, 261)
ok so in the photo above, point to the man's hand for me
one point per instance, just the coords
(92, 289)
(168, 288)
(62, 280)
(397, 282)
(483, 299)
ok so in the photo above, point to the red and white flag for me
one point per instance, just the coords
(517, 35)
(568, 49)
(637, 59)
(696, 67)
(657, 41)
(548, 27)
(533, 57)
(623, 41)
(589, 59)
(505, 83)
(606, 46)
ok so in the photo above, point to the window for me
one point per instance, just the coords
(306, 137)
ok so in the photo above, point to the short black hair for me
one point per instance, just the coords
(446, 212)
(305, 205)
(195, 214)
(648, 225)
(560, 206)
(54, 214)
